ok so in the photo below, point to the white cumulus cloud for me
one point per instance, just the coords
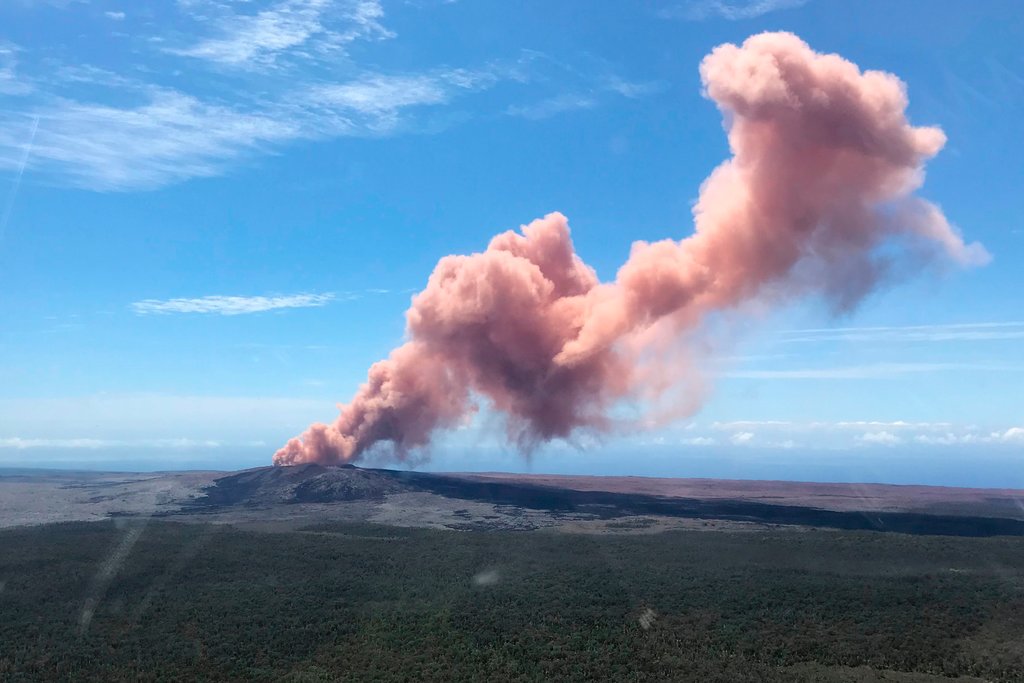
(733, 10)
(881, 438)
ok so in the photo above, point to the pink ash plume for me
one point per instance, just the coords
(823, 169)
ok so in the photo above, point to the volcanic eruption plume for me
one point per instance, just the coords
(816, 199)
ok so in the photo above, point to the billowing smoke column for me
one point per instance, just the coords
(817, 198)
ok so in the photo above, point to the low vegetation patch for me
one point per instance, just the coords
(127, 600)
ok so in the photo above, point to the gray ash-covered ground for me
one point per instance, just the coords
(286, 497)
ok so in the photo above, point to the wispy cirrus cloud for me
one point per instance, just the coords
(377, 93)
(890, 425)
(981, 331)
(172, 136)
(10, 83)
(221, 83)
(631, 89)
(866, 371)
(733, 10)
(377, 103)
(20, 443)
(169, 137)
(789, 425)
(311, 28)
(231, 305)
(233, 81)
(552, 106)
(595, 95)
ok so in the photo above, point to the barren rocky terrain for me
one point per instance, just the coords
(43, 496)
(290, 497)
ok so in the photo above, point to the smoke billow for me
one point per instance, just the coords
(816, 199)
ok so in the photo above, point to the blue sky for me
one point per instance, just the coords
(213, 215)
